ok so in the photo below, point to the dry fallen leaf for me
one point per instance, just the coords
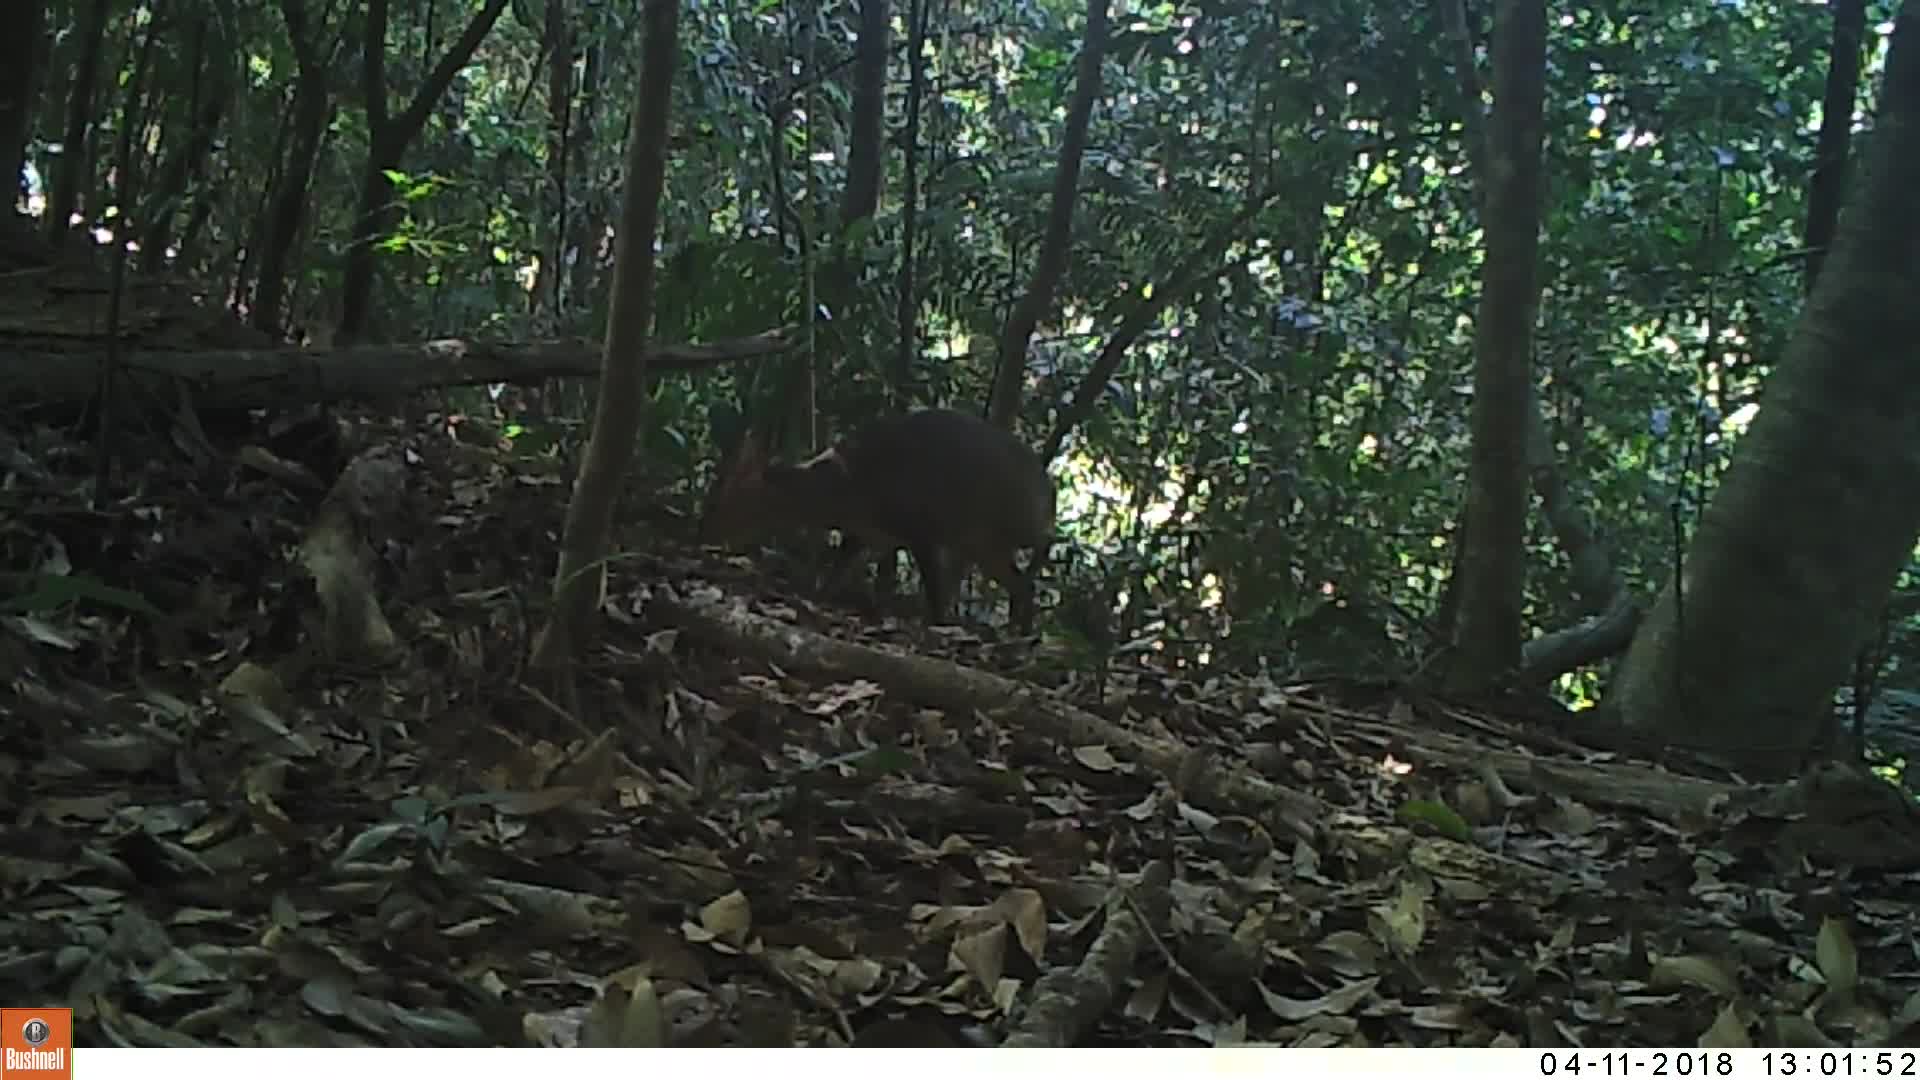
(1839, 963)
(1401, 925)
(1700, 971)
(1728, 1032)
(981, 954)
(1097, 758)
(626, 1016)
(728, 918)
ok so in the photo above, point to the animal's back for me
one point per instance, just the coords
(953, 479)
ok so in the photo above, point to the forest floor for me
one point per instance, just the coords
(753, 823)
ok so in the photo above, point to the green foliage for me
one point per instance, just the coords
(1441, 817)
(1289, 434)
(53, 592)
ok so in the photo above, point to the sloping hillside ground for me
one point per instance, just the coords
(220, 831)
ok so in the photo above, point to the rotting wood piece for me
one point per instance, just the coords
(1069, 1001)
(335, 553)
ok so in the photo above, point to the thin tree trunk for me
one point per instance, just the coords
(1596, 578)
(589, 223)
(388, 136)
(866, 164)
(181, 176)
(312, 106)
(866, 159)
(1010, 372)
(577, 582)
(907, 328)
(559, 44)
(129, 157)
(1141, 311)
(1836, 130)
(19, 51)
(187, 247)
(1492, 569)
(64, 193)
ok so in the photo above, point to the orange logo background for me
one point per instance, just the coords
(14, 1025)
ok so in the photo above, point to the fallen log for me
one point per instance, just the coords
(1216, 786)
(255, 378)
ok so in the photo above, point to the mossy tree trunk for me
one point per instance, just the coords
(1491, 569)
(616, 419)
(1821, 504)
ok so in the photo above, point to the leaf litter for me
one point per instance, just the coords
(250, 805)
